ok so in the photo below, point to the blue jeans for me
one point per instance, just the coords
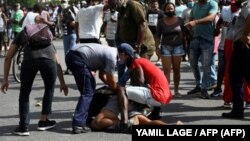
(86, 85)
(201, 49)
(69, 41)
(29, 69)
(213, 75)
(123, 74)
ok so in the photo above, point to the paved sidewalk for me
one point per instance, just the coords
(190, 109)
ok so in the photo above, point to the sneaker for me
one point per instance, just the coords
(66, 72)
(227, 105)
(233, 115)
(212, 86)
(217, 92)
(196, 90)
(21, 131)
(45, 125)
(177, 95)
(247, 106)
(79, 129)
(204, 94)
(158, 63)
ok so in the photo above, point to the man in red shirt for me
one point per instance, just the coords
(151, 88)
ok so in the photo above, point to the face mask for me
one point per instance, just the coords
(190, 4)
(234, 8)
(64, 5)
(170, 13)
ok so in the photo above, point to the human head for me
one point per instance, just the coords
(37, 8)
(126, 53)
(190, 3)
(234, 6)
(154, 5)
(169, 9)
(17, 6)
(64, 4)
(115, 4)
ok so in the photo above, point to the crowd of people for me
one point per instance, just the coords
(193, 31)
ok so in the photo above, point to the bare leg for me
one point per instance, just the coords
(104, 120)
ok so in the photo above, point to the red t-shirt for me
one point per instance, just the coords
(159, 86)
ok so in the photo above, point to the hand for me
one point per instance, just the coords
(5, 86)
(77, 40)
(65, 89)
(158, 52)
(246, 40)
(93, 73)
(190, 24)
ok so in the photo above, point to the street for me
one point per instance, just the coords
(189, 109)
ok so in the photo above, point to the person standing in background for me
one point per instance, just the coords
(16, 19)
(154, 14)
(240, 61)
(202, 45)
(68, 16)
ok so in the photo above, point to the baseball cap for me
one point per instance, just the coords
(127, 49)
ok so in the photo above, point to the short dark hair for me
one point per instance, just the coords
(167, 3)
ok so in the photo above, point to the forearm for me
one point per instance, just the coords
(60, 74)
(157, 43)
(77, 30)
(8, 59)
(124, 105)
(209, 18)
(7, 64)
(141, 33)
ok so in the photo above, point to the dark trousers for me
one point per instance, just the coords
(29, 69)
(86, 85)
(239, 70)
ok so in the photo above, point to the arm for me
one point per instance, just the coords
(63, 86)
(123, 99)
(7, 63)
(137, 79)
(140, 34)
(205, 20)
(108, 79)
(77, 32)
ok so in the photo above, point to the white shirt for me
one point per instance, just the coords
(90, 21)
(29, 19)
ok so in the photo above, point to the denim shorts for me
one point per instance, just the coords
(167, 50)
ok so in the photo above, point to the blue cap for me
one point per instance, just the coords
(127, 49)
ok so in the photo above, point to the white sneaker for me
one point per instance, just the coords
(247, 106)
(158, 63)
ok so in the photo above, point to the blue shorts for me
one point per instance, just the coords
(167, 50)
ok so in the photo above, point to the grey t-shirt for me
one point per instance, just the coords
(98, 57)
(170, 34)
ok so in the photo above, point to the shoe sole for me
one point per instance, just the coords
(21, 134)
(194, 93)
(45, 128)
(79, 132)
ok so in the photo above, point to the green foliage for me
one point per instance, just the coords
(28, 3)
